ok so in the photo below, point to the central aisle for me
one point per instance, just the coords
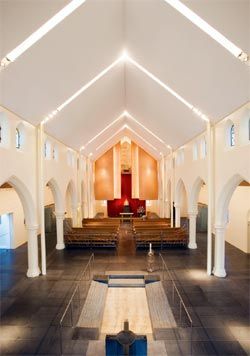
(126, 304)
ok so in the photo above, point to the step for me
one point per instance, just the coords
(92, 312)
(126, 282)
(159, 308)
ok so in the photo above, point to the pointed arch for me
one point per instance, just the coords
(71, 189)
(57, 195)
(28, 204)
(178, 191)
(225, 197)
(194, 194)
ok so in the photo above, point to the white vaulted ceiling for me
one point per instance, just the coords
(156, 36)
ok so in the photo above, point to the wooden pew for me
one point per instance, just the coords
(90, 236)
(160, 236)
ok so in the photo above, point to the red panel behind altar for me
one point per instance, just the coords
(115, 207)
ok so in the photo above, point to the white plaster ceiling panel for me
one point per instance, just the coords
(158, 110)
(22, 17)
(90, 112)
(184, 57)
(118, 136)
(230, 17)
(70, 55)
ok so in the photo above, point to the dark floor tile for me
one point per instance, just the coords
(224, 348)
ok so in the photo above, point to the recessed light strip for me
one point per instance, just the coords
(38, 34)
(208, 29)
(102, 144)
(144, 127)
(82, 89)
(105, 129)
(167, 88)
(142, 138)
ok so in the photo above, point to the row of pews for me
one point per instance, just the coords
(93, 233)
(158, 232)
(105, 233)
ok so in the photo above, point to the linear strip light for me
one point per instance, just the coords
(82, 89)
(128, 115)
(38, 34)
(102, 131)
(209, 30)
(142, 138)
(103, 143)
(124, 114)
(167, 88)
(121, 129)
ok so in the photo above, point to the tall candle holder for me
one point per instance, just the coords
(150, 259)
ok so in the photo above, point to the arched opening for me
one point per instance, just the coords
(180, 204)
(54, 215)
(71, 202)
(198, 212)
(18, 220)
(231, 220)
(168, 199)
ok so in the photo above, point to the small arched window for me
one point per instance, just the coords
(18, 139)
(232, 135)
(0, 133)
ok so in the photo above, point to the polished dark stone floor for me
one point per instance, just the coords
(31, 308)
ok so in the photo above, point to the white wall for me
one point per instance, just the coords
(230, 164)
(101, 207)
(203, 198)
(21, 164)
(10, 203)
(238, 214)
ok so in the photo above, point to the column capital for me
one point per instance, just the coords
(219, 227)
(32, 227)
(193, 213)
(59, 215)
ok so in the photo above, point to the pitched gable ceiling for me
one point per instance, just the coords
(93, 37)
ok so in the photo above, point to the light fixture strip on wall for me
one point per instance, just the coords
(42, 31)
(208, 29)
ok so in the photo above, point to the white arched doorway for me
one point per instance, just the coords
(193, 210)
(30, 216)
(71, 202)
(59, 212)
(221, 222)
(180, 202)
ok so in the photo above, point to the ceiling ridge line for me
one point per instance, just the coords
(127, 115)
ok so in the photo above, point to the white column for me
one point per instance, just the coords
(33, 268)
(74, 215)
(59, 230)
(172, 188)
(219, 267)
(192, 230)
(41, 194)
(177, 215)
(210, 192)
(168, 208)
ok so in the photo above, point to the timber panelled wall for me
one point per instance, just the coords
(104, 176)
(148, 176)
